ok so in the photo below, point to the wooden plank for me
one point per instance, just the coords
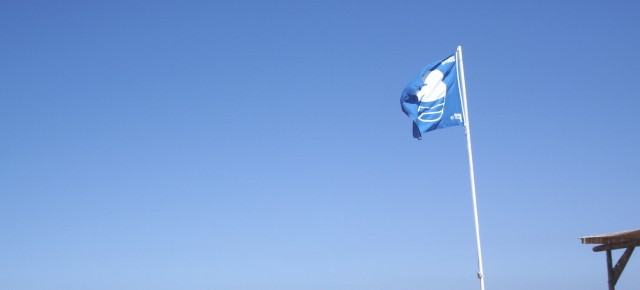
(619, 237)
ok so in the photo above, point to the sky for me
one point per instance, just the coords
(241, 145)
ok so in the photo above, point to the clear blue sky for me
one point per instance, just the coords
(260, 144)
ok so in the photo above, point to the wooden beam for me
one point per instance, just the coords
(622, 262)
(614, 272)
(616, 246)
(612, 285)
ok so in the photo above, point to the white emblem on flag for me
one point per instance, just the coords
(432, 97)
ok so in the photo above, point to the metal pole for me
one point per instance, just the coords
(463, 93)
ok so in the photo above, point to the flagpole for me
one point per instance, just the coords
(463, 93)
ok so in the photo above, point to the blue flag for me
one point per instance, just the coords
(432, 99)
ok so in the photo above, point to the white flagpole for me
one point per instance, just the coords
(463, 92)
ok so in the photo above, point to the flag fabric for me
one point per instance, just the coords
(432, 99)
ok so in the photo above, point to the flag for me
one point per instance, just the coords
(432, 99)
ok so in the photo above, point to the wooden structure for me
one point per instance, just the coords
(627, 240)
